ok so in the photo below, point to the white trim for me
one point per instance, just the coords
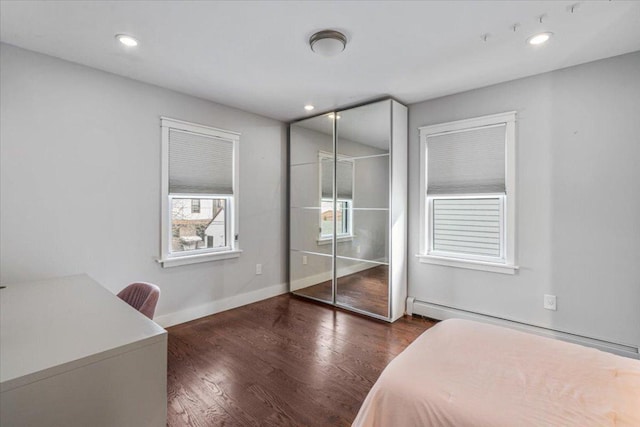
(397, 216)
(508, 223)
(165, 220)
(492, 119)
(213, 307)
(176, 261)
(468, 263)
(198, 128)
(409, 307)
(510, 189)
(235, 201)
(441, 312)
(424, 212)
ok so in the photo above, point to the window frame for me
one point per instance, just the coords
(324, 239)
(232, 250)
(506, 263)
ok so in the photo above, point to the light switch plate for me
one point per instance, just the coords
(550, 302)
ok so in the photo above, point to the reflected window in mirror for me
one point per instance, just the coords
(343, 212)
(343, 218)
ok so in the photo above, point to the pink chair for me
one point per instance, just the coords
(141, 296)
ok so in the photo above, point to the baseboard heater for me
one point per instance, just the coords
(441, 312)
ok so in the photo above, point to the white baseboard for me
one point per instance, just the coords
(218, 306)
(441, 312)
(409, 306)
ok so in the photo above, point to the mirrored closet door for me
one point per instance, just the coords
(347, 194)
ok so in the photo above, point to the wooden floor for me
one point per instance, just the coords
(366, 290)
(284, 361)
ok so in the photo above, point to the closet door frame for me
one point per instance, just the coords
(397, 211)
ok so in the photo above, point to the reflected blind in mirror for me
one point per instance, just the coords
(199, 164)
(470, 161)
(344, 179)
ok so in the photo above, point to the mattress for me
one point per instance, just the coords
(463, 373)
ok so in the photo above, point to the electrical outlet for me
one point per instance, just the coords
(358, 249)
(304, 260)
(258, 268)
(550, 302)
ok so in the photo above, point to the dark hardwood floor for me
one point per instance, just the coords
(366, 290)
(284, 361)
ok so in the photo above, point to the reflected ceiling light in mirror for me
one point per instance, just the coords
(539, 39)
(328, 42)
(333, 116)
(309, 107)
(127, 40)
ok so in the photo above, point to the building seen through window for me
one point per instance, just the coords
(200, 228)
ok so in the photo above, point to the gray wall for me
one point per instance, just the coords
(80, 183)
(578, 202)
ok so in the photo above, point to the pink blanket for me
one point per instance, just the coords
(461, 373)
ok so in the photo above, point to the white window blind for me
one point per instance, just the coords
(469, 226)
(344, 178)
(468, 161)
(199, 164)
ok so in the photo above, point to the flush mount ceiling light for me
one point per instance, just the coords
(539, 39)
(127, 40)
(328, 42)
(309, 107)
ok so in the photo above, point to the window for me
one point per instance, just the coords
(344, 197)
(343, 220)
(468, 193)
(195, 206)
(199, 193)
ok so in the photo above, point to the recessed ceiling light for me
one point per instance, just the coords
(127, 40)
(328, 42)
(333, 116)
(309, 107)
(539, 38)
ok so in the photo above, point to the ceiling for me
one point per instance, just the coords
(255, 55)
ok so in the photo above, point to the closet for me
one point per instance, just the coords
(348, 208)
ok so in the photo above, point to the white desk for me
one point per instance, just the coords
(74, 354)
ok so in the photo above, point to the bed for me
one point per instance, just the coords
(464, 373)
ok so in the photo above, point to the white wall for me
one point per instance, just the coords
(578, 204)
(80, 185)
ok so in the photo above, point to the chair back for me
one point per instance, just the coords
(141, 296)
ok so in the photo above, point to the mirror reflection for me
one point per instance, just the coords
(362, 279)
(311, 208)
(341, 197)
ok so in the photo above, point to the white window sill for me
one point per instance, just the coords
(193, 259)
(470, 264)
(328, 241)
